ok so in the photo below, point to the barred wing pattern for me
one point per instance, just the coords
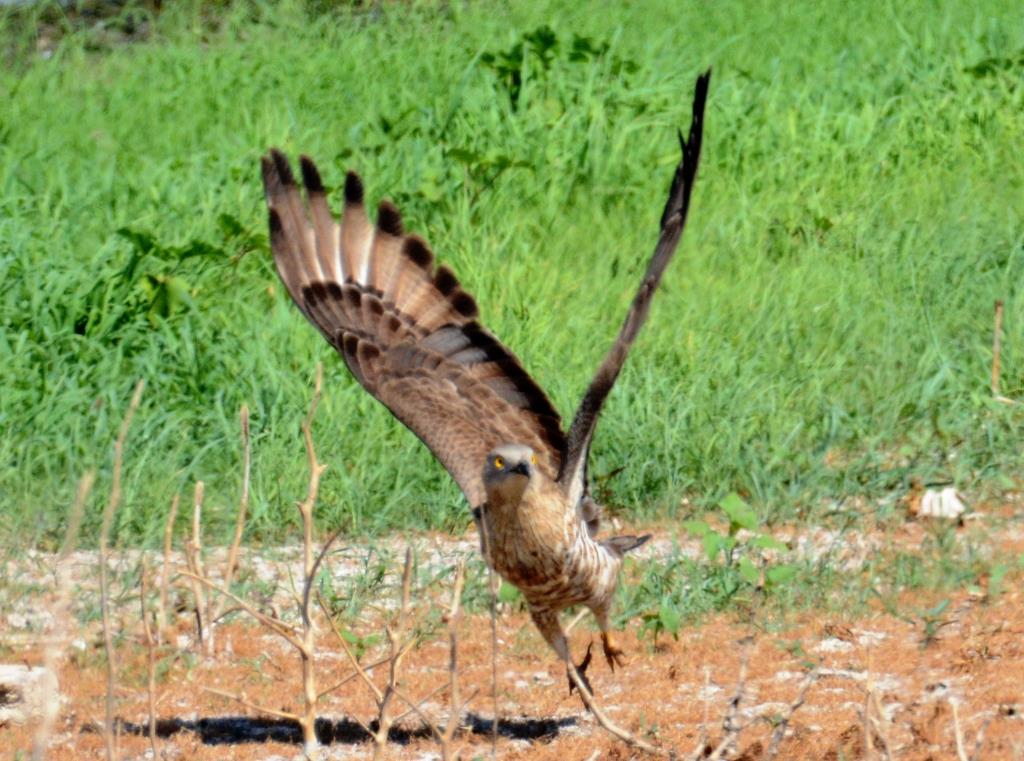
(406, 328)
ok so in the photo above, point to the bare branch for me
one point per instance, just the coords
(877, 723)
(240, 698)
(307, 653)
(194, 561)
(398, 648)
(730, 722)
(961, 754)
(54, 648)
(108, 519)
(780, 729)
(243, 507)
(350, 677)
(455, 704)
(360, 671)
(979, 739)
(166, 571)
(997, 340)
(147, 632)
(276, 625)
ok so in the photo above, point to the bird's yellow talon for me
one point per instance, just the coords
(612, 652)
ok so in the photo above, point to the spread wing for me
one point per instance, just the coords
(573, 475)
(405, 328)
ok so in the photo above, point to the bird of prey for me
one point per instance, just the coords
(410, 334)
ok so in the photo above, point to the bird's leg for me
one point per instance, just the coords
(550, 627)
(612, 652)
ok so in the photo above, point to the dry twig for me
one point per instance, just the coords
(243, 508)
(979, 739)
(997, 342)
(730, 722)
(398, 646)
(303, 638)
(54, 649)
(780, 729)
(877, 722)
(165, 573)
(147, 632)
(961, 754)
(108, 519)
(194, 561)
(455, 702)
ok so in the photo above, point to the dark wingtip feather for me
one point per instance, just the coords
(417, 251)
(310, 175)
(276, 229)
(686, 172)
(353, 188)
(389, 219)
(267, 170)
(445, 280)
(284, 169)
(464, 304)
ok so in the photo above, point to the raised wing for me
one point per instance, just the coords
(405, 328)
(573, 475)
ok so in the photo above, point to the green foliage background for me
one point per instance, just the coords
(824, 333)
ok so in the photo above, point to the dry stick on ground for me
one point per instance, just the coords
(54, 649)
(702, 737)
(961, 754)
(147, 633)
(398, 646)
(302, 639)
(493, 584)
(780, 728)
(243, 507)
(997, 344)
(308, 650)
(866, 734)
(194, 561)
(108, 519)
(360, 669)
(455, 702)
(877, 721)
(979, 739)
(731, 726)
(165, 574)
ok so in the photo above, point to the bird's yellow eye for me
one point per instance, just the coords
(533, 459)
(499, 463)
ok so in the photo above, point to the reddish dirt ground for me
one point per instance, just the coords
(976, 660)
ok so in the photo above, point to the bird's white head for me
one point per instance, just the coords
(507, 473)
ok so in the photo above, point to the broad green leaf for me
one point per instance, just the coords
(748, 570)
(668, 617)
(713, 544)
(739, 512)
(767, 543)
(780, 574)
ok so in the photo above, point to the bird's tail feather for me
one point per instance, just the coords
(620, 545)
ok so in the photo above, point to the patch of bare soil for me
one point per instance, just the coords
(669, 694)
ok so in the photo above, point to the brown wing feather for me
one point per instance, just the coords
(573, 476)
(406, 329)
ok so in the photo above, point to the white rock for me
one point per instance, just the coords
(942, 504)
(23, 690)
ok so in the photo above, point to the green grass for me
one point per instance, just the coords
(824, 332)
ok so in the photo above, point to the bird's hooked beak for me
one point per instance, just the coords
(522, 468)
